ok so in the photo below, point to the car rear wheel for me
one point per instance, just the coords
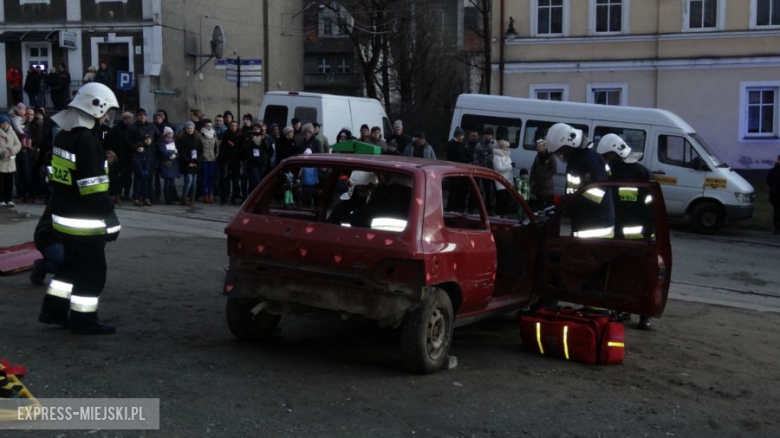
(427, 334)
(245, 325)
(707, 218)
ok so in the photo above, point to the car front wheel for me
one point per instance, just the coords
(245, 325)
(427, 334)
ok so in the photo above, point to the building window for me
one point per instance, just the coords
(766, 12)
(760, 110)
(550, 17)
(344, 66)
(704, 15)
(323, 66)
(608, 94)
(609, 16)
(33, 2)
(558, 92)
(334, 21)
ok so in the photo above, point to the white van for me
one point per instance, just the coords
(697, 186)
(332, 112)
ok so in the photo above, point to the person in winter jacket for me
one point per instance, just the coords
(141, 174)
(483, 156)
(63, 77)
(257, 156)
(376, 139)
(503, 165)
(401, 139)
(323, 139)
(392, 149)
(773, 181)
(89, 76)
(169, 167)
(208, 163)
(190, 150)
(420, 148)
(344, 135)
(104, 76)
(14, 79)
(309, 140)
(542, 171)
(9, 147)
(119, 141)
(457, 152)
(141, 127)
(32, 85)
(309, 180)
(229, 164)
(286, 146)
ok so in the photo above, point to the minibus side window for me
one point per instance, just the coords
(677, 151)
(504, 128)
(634, 138)
(537, 129)
(305, 114)
(275, 114)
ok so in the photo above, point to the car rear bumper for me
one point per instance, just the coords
(735, 213)
(293, 289)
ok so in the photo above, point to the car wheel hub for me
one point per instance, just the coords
(437, 333)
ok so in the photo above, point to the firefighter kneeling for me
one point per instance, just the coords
(82, 213)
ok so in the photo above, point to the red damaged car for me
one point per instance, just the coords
(415, 244)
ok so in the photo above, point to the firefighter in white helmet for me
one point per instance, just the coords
(82, 212)
(633, 205)
(593, 215)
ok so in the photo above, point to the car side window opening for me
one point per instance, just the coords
(276, 114)
(635, 138)
(537, 130)
(505, 128)
(353, 198)
(460, 204)
(678, 151)
(305, 114)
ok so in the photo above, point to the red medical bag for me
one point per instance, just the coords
(573, 335)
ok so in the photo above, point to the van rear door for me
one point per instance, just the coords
(629, 273)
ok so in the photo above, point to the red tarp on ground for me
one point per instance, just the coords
(18, 258)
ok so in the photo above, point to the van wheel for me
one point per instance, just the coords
(246, 326)
(427, 334)
(707, 218)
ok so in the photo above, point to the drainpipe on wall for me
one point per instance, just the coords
(501, 50)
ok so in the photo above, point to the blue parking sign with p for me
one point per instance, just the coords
(124, 80)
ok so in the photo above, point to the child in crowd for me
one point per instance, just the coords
(309, 180)
(170, 166)
(141, 181)
(524, 189)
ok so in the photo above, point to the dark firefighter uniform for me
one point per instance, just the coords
(83, 218)
(592, 214)
(634, 211)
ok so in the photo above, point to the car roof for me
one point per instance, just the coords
(389, 161)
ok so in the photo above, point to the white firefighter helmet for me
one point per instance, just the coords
(613, 143)
(94, 99)
(562, 135)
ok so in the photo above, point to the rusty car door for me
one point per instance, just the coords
(627, 273)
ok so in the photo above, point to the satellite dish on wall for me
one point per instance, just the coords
(218, 42)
